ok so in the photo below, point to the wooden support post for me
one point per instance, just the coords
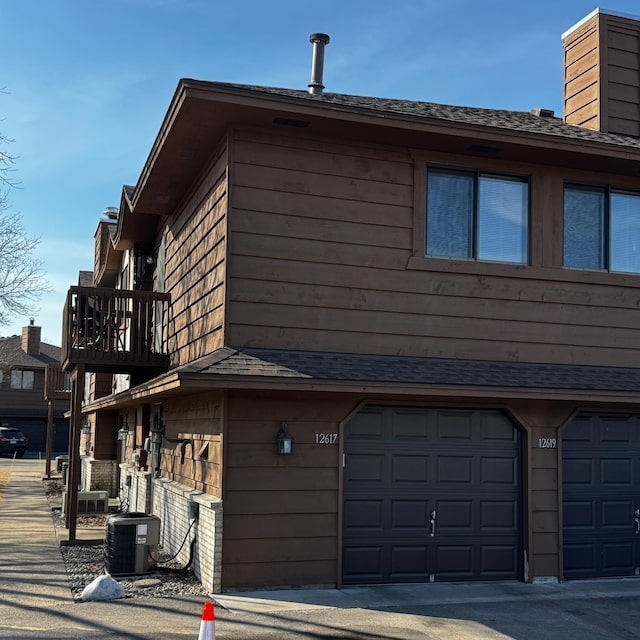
(49, 444)
(77, 393)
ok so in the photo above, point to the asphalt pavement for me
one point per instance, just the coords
(36, 602)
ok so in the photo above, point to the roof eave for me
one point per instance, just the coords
(200, 113)
(426, 124)
(173, 384)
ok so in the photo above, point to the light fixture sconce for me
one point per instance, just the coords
(124, 430)
(284, 441)
(157, 426)
(86, 429)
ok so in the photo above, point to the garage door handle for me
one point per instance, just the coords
(433, 523)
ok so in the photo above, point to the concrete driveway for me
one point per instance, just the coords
(36, 603)
(574, 611)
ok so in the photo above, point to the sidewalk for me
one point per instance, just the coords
(36, 602)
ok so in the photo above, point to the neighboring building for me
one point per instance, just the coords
(24, 360)
(441, 305)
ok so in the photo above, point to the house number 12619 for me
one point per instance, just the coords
(326, 438)
(547, 443)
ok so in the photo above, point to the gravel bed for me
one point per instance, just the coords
(86, 562)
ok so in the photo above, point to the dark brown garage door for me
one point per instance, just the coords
(431, 495)
(601, 496)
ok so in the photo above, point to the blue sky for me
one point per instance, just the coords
(89, 81)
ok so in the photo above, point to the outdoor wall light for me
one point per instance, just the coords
(284, 441)
(124, 430)
(157, 428)
(86, 429)
(157, 425)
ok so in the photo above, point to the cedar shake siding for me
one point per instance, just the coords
(195, 267)
(192, 452)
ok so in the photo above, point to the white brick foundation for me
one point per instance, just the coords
(99, 475)
(172, 503)
(135, 488)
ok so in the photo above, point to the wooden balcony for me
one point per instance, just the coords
(57, 384)
(115, 330)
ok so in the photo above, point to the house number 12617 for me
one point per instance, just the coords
(326, 438)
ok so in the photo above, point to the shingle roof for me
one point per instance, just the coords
(11, 354)
(521, 121)
(324, 366)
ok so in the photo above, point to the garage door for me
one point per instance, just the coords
(431, 495)
(601, 496)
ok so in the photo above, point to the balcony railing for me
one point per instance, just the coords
(114, 330)
(57, 383)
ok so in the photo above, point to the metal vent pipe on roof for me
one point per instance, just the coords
(318, 40)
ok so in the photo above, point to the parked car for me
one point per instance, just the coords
(12, 441)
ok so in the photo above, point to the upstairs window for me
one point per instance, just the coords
(477, 216)
(601, 229)
(22, 379)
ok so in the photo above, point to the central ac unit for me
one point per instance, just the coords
(132, 543)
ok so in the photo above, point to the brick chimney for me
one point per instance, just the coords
(602, 73)
(31, 339)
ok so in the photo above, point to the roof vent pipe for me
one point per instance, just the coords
(318, 40)
(111, 213)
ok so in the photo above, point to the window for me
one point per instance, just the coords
(474, 215)
(601, 229)
(21, 379)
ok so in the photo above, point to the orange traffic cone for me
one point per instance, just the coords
(208, 623)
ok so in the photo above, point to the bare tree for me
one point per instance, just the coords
(7, 162)
(22, 280)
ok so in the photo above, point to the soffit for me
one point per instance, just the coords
(201, 113)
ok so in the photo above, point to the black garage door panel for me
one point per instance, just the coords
(431, 495)
(601, 497)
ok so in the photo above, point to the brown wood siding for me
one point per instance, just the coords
(543, 420)
(281, 512)
(581, 76)
(602, 79)
(104, 434)
(582, 67)
(100, 385)
(192, 448)
(107, 260)
(26, 409)
(582, 101)
(28, 402)
(623, 88)
(311, 272)
(195, 266)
